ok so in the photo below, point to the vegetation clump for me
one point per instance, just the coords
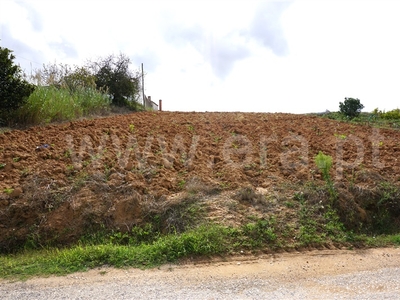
(389, 115)
(324, 164)
(61, 92)
(15, 89)
(351, 107)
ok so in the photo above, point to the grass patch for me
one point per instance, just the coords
(382, 240)
(50, 104)
(205, 240)
(146, 247)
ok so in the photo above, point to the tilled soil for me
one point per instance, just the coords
(339, 274)
(58, 179)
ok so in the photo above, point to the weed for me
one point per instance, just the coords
(308, 230)
(308, 234)
(340, 136)
(224, 185)
(132, 128)
(80, 180)
(379, 144)
(298, 196)
(217, 139)
(289, 204)
(25, 172)
(67, 153)
(144, 234)
(324, 164)
(8, 190)
(258, 233)
(2, 165)
(181, 184)
(16, 159)
(334, 228)
(395, 239)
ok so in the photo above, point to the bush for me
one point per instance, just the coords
(351, 107)
(14, 88)
(389, 115)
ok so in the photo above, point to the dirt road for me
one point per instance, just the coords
(331, 274)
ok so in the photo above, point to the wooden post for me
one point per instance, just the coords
(144, 101)
(160, 105)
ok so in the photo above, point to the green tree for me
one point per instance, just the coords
(112, 74)
(14, 89)
(351, 107)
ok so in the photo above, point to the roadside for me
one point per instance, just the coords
(329, 274)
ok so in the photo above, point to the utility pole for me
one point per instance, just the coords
(144, 101)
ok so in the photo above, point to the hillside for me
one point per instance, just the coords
(59, 182)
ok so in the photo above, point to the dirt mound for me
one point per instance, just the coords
(59, 180)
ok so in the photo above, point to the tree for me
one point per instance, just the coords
(14, 89)
(113, 74)
(351, 107)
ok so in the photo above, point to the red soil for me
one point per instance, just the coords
(60, 176)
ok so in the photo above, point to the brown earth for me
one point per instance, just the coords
(56, 181)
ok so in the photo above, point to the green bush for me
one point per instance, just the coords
(14, 89)
(324, 164)
(351, 107)
(390, 115)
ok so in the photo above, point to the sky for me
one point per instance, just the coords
(296, 56)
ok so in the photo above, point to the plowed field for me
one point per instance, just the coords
(56, 180)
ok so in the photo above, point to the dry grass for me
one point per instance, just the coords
(196, 186)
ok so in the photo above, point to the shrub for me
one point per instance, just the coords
(351, 107)
(389, 115)
(324, 164)
(14, 88)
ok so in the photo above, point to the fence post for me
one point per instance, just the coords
(160, 105)
(144, 100)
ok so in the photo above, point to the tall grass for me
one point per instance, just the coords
(49, 104)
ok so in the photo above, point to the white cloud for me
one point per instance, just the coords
(289, 56)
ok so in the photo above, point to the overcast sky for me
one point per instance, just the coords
(264, 56)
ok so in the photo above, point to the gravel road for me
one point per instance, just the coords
(327, 274)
